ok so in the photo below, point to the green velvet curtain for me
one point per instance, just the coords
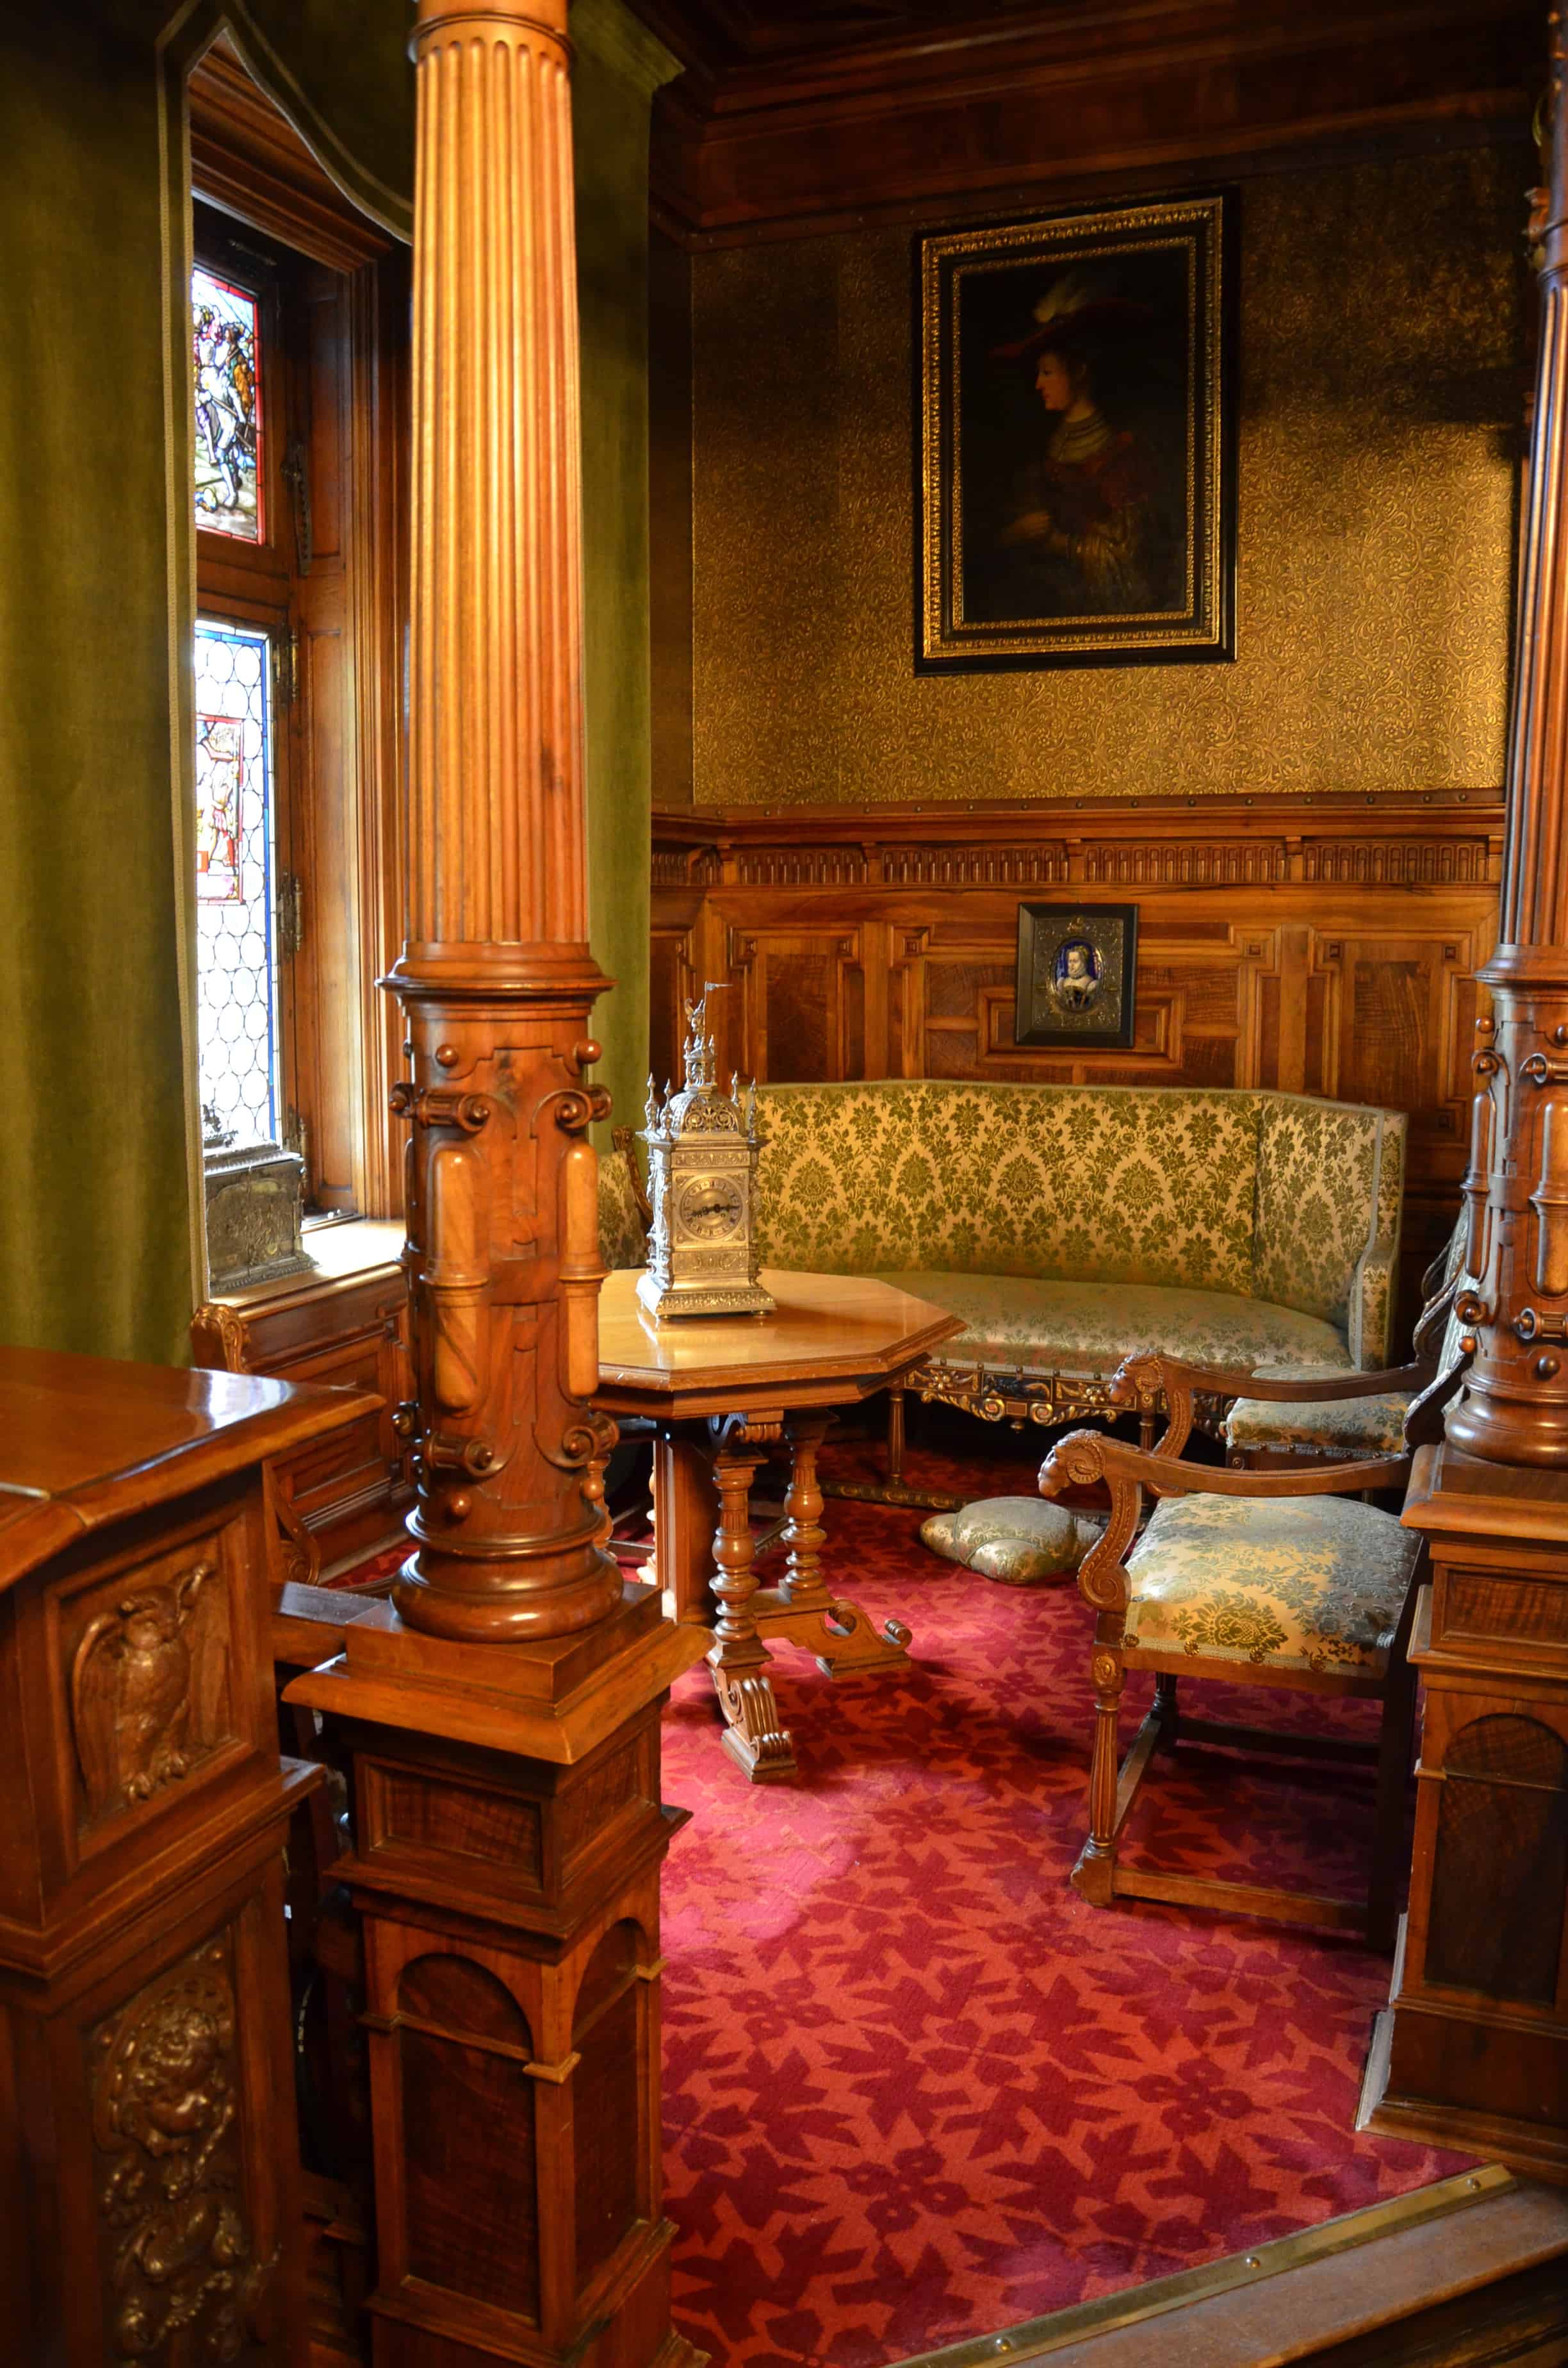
(99, 1164)
(94, 1171)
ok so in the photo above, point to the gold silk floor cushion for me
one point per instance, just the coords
(1072, 1225)
(1017, 1541)
(1306, 1584)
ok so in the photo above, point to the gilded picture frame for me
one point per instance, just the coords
(1077, 977)
(1076, 439)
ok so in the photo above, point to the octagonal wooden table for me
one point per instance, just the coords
(722, 1390)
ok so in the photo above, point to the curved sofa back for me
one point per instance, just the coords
(1271, 1196)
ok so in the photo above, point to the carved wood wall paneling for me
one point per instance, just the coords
(801, 1003)
(1270, 953)
(1059, 99)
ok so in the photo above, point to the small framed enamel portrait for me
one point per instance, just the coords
(1077, 976)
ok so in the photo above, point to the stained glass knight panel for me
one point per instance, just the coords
(226, 336)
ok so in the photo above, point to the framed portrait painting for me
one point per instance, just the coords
(1077, 976)
(1076, 478)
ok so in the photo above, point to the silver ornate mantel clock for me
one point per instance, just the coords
(702, 1151)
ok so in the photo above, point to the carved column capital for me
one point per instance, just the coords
(495, 976)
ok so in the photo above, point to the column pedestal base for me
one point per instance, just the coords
(509, 1843)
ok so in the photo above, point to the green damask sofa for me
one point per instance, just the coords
(1073, 1225)
(1070, 1225)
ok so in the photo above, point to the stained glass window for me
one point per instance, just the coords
(236, 951)
(225, 331)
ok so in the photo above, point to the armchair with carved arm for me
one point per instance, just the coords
(1277, 1579)
(1277, 1430)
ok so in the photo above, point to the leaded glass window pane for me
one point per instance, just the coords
(236, 976)
(227, 338)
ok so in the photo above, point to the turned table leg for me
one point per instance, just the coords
(804, 1608)
(686, 1520)
(739, 1657)
(804, 1589)
(895, 1434)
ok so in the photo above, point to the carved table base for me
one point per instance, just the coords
(705, 1554)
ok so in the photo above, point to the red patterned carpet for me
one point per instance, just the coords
(914, 2088)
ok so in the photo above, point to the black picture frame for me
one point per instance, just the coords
(1075, 498)
(1077, 977)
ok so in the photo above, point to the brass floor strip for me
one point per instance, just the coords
(1036, 2338)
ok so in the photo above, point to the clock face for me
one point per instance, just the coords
(709, 1208)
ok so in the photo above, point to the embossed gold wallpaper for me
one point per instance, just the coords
(1381, 368)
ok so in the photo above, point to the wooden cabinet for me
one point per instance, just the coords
(346, 1325)
(1472, 2051)
(147, 2152)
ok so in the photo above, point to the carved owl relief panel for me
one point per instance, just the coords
(148, 1684)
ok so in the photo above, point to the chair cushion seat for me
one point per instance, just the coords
(1088, 1327)
(1306, 1583)
(1347, 1426)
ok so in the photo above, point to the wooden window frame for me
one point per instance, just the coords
(339, 727)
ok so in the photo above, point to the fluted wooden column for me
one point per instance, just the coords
(1516, 1410)
(1472, 2051)
(496, 977)
(509, 1828)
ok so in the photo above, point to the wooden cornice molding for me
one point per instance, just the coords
(247, 159)
(1440, 811)
(1048, 101)
(1423, 838)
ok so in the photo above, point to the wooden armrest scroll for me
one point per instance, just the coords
(1085, 1457)
(1164, 1475)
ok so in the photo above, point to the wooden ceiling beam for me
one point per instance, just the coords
(1036, 98)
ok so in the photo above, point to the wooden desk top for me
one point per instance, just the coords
(84, 1440)
(834, 1337)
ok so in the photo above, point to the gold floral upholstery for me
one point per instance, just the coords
(1243, 1201)
(1069, 1225)
(1330, 1185)
(1086, 1327)
(1347, 1427)
(1304, 1584)
(1104, 1184)
(1342, 1426)
(622, 1241)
